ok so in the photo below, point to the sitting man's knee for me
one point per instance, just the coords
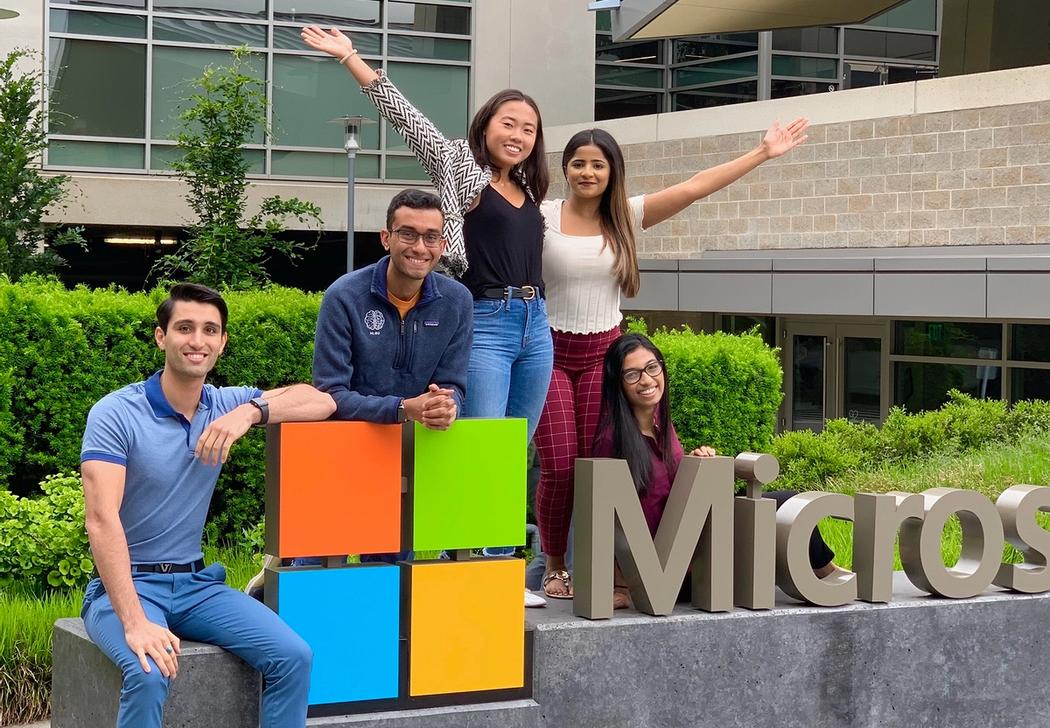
(141, 685)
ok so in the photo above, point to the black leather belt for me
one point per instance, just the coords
(167, 568)
(526, 293)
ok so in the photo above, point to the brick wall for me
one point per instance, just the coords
(954, 178)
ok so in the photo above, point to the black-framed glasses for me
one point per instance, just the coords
(408, 236)
(653, 369)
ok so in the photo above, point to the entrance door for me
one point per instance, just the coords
(833, 370)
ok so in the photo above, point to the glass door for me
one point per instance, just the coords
(831, 371)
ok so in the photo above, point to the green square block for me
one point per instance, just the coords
(468, 487)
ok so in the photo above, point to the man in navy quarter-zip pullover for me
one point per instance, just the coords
(393, 338)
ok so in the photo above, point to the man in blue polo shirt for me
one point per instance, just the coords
(151, 455)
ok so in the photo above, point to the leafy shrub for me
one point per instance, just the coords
(725, 389)
(42, 540)
(62, 350)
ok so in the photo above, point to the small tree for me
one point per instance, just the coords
(225, 248)
(25, 192)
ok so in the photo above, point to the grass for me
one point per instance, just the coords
(989, 471)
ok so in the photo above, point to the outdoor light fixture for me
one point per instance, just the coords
(140, 240)
(351, 130)
(6, 14)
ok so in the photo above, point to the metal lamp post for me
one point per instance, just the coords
(351, 129)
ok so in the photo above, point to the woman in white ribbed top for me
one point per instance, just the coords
(589, 260)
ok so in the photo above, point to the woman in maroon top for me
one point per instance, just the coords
(635, 425)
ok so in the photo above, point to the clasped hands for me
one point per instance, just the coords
(435, 409)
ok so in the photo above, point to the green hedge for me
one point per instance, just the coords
(809, 460)
(61, 350)
(725, 389)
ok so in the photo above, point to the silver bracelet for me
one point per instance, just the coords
(348, 56)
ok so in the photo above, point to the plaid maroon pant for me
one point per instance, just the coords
(566, 429)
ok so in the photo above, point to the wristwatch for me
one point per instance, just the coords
(264, 408)
(402, 415)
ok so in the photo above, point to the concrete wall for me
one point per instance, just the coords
(947, 162)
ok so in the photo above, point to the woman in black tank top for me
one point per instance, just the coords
(490, 185)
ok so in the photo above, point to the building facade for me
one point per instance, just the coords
(904, 250)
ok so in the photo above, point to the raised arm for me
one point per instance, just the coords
(668, 202)
(103, 493)
(423, 138)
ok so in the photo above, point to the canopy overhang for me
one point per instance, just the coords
(636, 19)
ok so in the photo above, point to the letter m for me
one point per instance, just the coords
(696, 528)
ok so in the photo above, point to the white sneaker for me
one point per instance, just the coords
(534, 600)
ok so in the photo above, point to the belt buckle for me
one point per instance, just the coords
(530, 293)
(165, 568)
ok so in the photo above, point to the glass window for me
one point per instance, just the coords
(287, 37)
(807, 67)
(310, 91)
(1030, 342)
(861, 379)
(1029, 384)
(603, 21)
(629, 76)
(619, 104)
(174, 70)
(162, 156)
(320, 164)
(224, 8)
(716, 71)
(731, 93)
(112, 24)
(440, 92)
(83, 93)
(806, 40)
(890, 45)
(734, 324)
(206, 31)
(428, 18)
(404, 168)
(921, 386)
(64, 153)
(649, 52)
(913, 15)
(783, 88)
(360, 13)
(945, 338)
(137, 4)
(417, 46)
(712, 46)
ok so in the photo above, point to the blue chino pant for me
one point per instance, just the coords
(200, 607)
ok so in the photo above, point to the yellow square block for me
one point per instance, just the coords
(467, 628)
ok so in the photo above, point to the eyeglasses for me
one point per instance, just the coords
(653, 369)
(408, 236)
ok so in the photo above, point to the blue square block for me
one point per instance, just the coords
(350, 617)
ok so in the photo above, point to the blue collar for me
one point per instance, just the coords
(428, 293)
(159, 403)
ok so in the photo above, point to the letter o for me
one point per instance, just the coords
(982, 544)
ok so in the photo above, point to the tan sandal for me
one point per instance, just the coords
(624, 594)
(561, 575)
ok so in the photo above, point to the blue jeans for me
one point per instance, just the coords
(202, 608)
(510, 364)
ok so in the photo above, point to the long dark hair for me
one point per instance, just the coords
(618, 416)
(614, 213)
(534, 168)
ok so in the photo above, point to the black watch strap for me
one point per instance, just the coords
(264, 408)
(402, 414)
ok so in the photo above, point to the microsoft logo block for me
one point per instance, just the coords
(410, 631)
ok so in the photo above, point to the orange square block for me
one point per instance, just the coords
(467, 626)
(333, 488)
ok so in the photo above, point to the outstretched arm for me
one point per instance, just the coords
(670, 201)
(426, 140)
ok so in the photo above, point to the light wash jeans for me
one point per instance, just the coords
(510, 365)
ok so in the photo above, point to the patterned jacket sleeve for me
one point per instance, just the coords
(423, 138)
